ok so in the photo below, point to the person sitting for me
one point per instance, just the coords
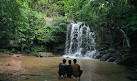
(62, 69)
(69, 69)
(76, 69)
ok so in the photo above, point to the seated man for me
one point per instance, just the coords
(76, 69)
(69, 69)
(62, 68)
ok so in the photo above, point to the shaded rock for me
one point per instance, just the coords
(26, 78)
(105, 57)
(60, 47)
(98, 56)
(111, 59)
(111, 51)
(117, 60)
(43, 54)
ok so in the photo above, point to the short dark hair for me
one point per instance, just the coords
(64, 60)
(69, 61)
(75, 61)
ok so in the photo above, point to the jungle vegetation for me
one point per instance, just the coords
(23, 27)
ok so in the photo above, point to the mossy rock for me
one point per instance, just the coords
(43, 54)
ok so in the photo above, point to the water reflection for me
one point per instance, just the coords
(93, 70)
(103, 71)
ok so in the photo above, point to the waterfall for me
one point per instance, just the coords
(80, 41)
(126, 38)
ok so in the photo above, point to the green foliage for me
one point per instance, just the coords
(60, 26)
(23, 21)
(104, 15)
(25, 25)
(131, 23)
(4, 50)
(98, 12)
(45, 33)
(71, 7)
(127, 58)
(53, 33)
(48, 7)
(13, 50)
(8, 20)
(39, 48)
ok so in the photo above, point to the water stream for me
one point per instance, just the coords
(80, 41)
(126, 38)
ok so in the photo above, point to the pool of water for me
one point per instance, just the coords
(46, 69)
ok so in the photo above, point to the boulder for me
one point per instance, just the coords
(111, 59)
(105, 57)
(43, 54)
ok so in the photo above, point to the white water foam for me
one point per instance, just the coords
(80, 42)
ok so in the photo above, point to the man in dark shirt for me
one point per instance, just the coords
(62, 68)
(69, 69)
(76, 69)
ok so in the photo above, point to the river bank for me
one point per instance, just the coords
(11, 67)
(15, 67)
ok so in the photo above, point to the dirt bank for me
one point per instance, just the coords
(11, 67)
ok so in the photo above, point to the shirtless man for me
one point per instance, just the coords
(76, 69)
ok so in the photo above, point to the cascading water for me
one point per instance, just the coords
(126, 38)
(80, 41)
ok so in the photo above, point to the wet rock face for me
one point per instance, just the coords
(108, 39)
(113, 39)
(111, 42)
(111, 59)
(104, 57)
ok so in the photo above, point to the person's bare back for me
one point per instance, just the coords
(76, 69)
